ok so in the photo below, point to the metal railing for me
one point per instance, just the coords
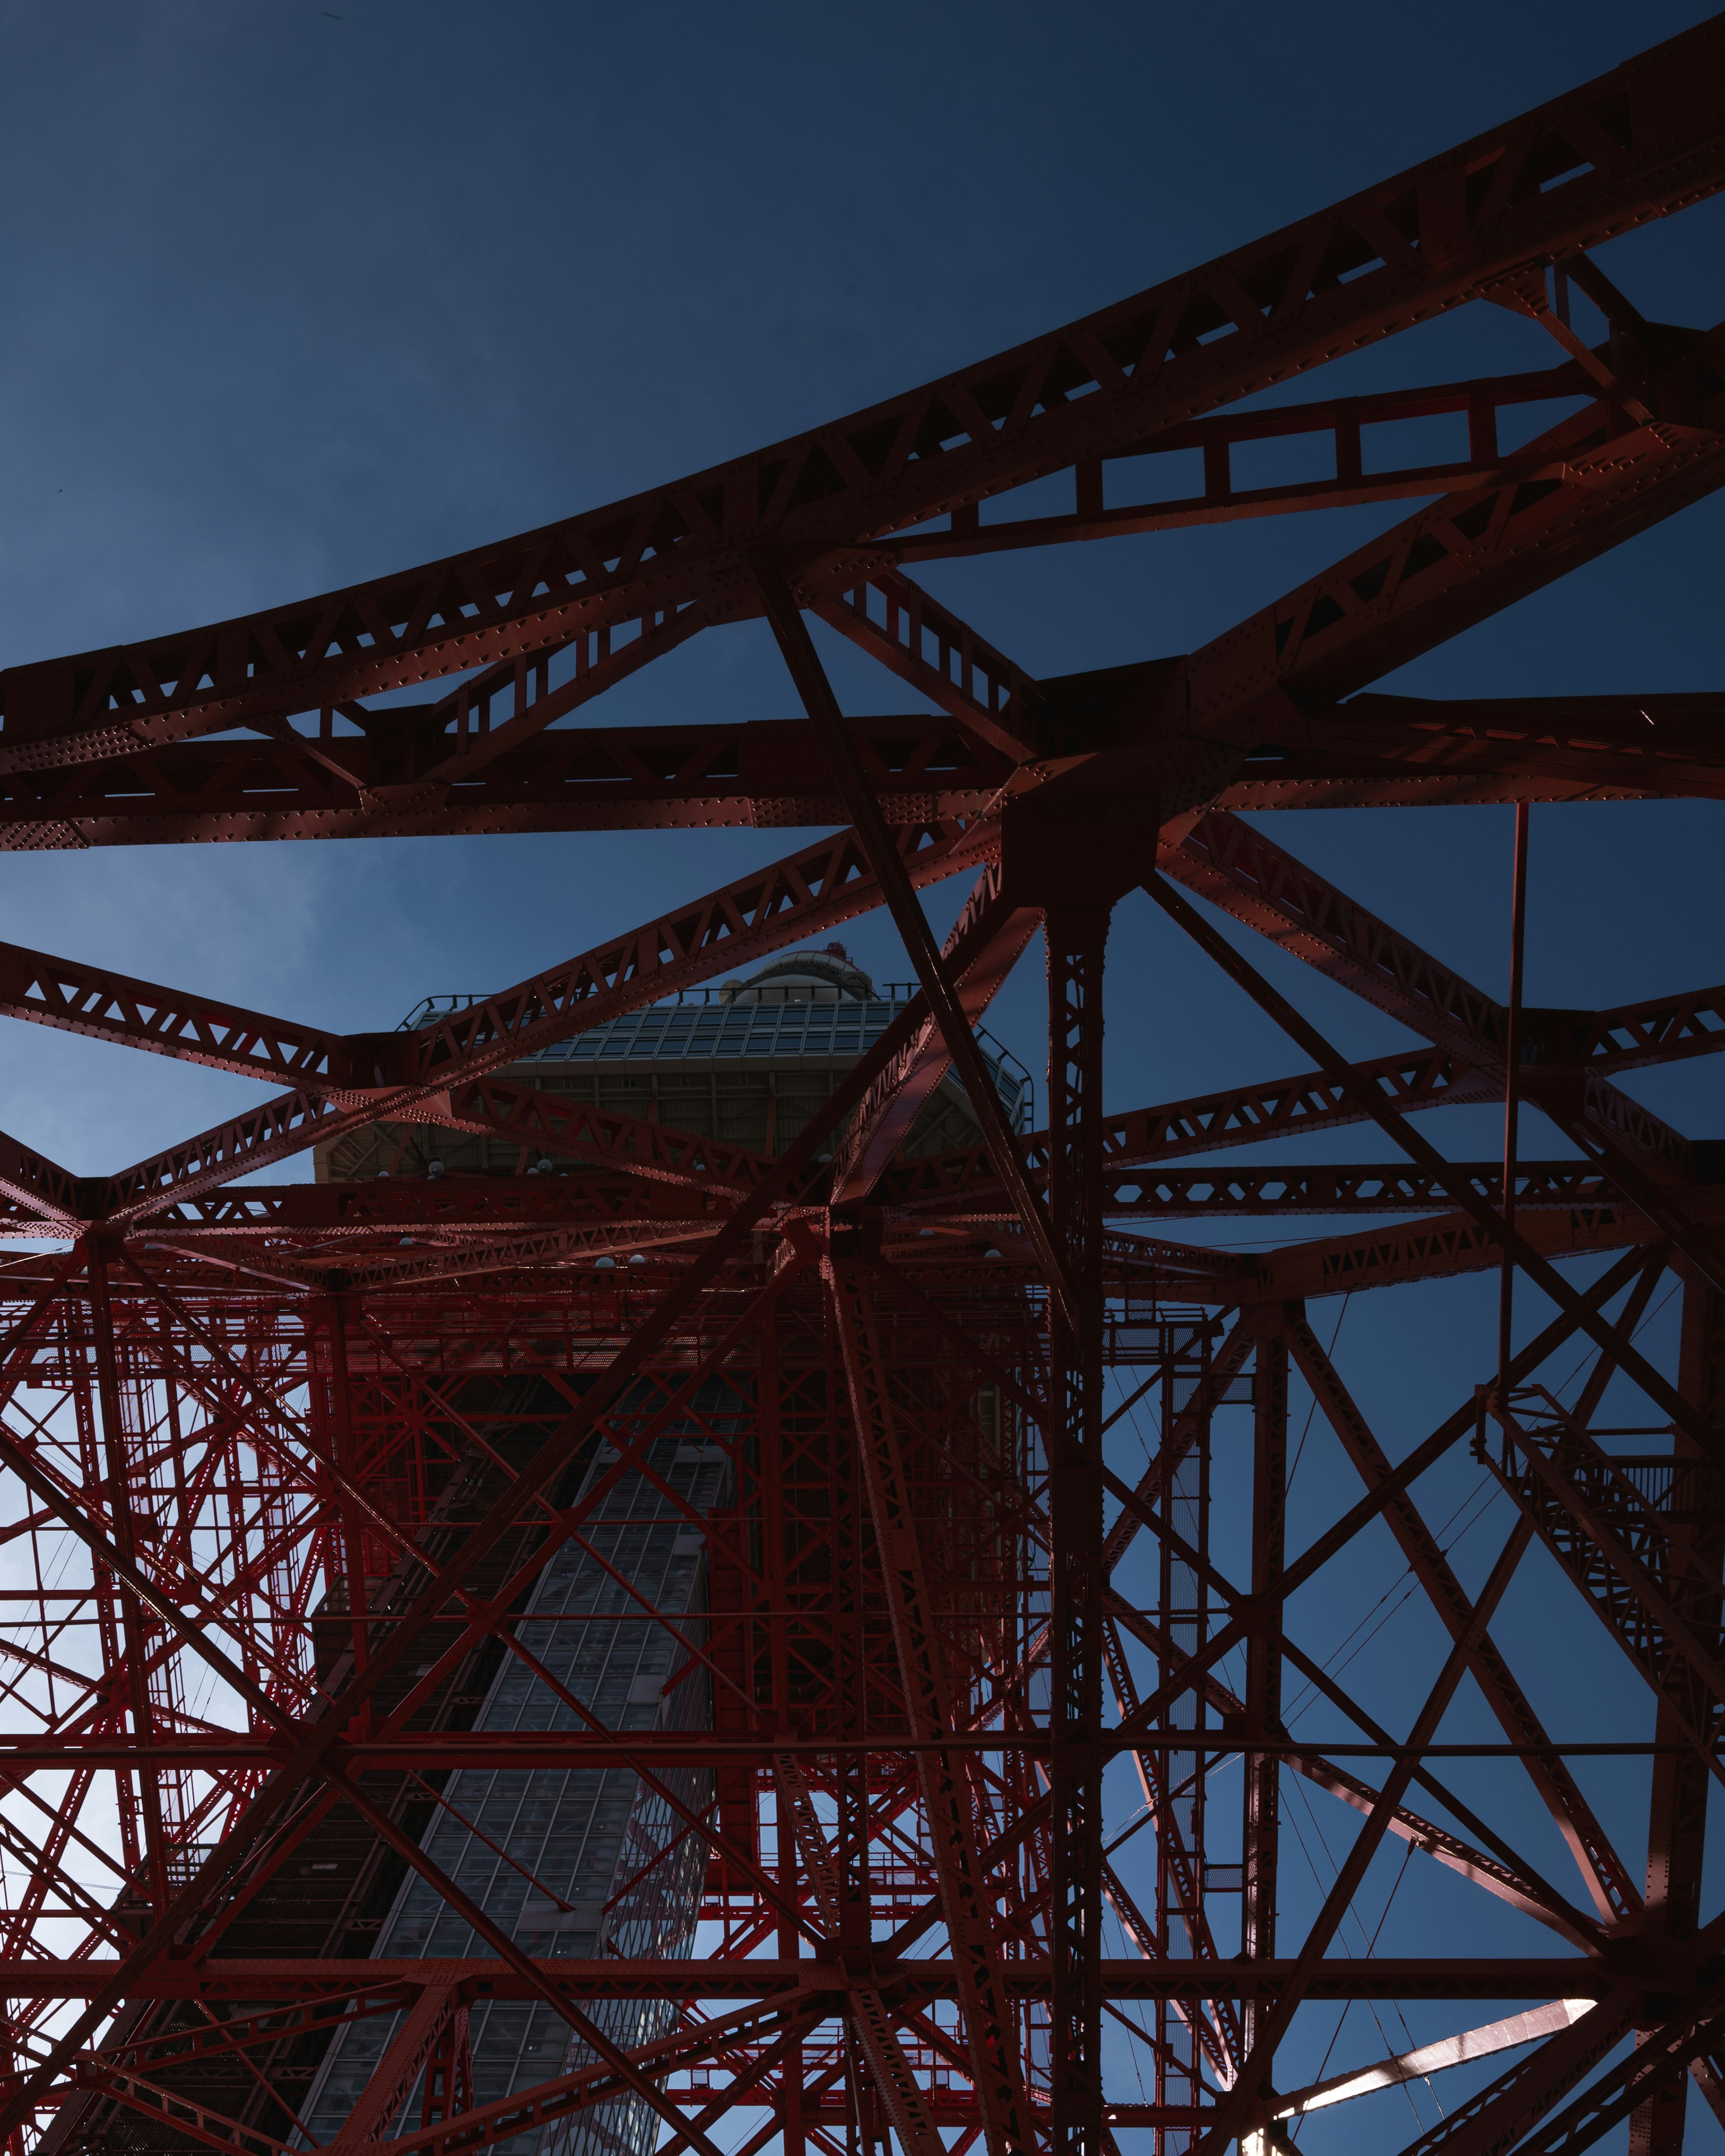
(429, 1009)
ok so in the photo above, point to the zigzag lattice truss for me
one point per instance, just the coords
(699, 1658)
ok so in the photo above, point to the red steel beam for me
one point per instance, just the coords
(223, 1980)
(76, 998)
(552, 1124)
(817, 889)
(1383, 751)
(1600, 1866)
(1437, 1247)
(1220, 500)
(1650, 1165)
(1630, 146)
(986, 941)
(246, 1294)
(1677, 1807)
(1076, 939)
(766, 773)
(1372, 750)
(949, 1800)
(1451, 566)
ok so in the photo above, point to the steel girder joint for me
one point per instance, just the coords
(1080, 847)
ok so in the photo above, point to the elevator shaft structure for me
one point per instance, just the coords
(721, 1575)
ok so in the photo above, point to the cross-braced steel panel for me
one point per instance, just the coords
(684, 1650)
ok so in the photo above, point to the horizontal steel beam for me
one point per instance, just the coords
(1559, 1185)
(257, 1981)
(612, 586)
(763, 774)
(1221, 498)
(1374, 750)
(1386, 751)
(562, 1749)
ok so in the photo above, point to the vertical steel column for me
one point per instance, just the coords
(773, 1528)
(849, 1714)
(886, 2083)
(1183, 1607)
(1260, 1823)
(847, 1527)
(1676, 1823)
(446, 2090)
(1512, 1087)
(992, 2019)
(353, 1470)
(1077, 939)
(136, 1628)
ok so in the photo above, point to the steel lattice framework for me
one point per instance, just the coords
(261, 1440)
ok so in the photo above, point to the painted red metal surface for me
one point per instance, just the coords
(279, 1498)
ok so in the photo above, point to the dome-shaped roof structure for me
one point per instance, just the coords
(804, 977)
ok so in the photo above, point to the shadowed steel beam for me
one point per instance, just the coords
(1257, 882)
(817, 888)
(807, 672)
(224, 1981)
(1426, 240)
(1077, 941)
(316, 1744)
(989, 2021)
(1394, 1127)
(1600, 1866)
(1336, 1537)
(1260, 1814)
(1251, 2091)
(896, 2085)
(986, 941)
(1678, 1807)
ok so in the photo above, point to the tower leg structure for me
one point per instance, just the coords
(688, 1594)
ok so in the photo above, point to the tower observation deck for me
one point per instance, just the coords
(748, 1062)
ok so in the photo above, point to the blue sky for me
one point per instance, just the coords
(301, 294)
(297, 295)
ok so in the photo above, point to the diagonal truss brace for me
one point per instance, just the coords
(990, 2018)
(1610, 1524)
(1607, 1879)
(894, 2083)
